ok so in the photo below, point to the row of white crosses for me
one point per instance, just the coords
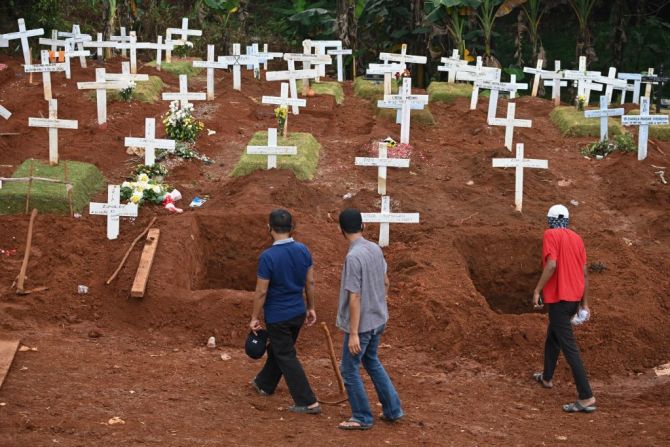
(404, 102)
(393, 64)
(184, 32)
(477, 74)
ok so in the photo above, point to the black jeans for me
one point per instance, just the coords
(560, 338)
(283, 361)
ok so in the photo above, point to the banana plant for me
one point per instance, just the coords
(583, 9)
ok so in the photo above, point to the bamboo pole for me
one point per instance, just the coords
(26, 256)
(125, 257)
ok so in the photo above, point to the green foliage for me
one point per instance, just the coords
(155, 170)
(329, 88)
(371, 90)
(572, 123)
(177, 67)
(144, 91)
(448, 92)
(621, 143)
(303, 165)
(85, 178)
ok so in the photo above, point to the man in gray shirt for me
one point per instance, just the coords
(362, 315)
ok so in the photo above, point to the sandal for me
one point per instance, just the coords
(258, 389)
(538, 377)
(304, 409)
(576, 407)
(353, 424)
(389, 420)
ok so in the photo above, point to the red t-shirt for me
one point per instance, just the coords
(567, 249)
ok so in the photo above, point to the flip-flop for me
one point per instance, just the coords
(576, 407)
(538, 377)
(389, 420)
(358, 426)
(304, 409)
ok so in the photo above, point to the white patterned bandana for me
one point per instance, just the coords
(558, 222)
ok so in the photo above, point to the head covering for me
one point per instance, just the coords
(558, 216)
(256, 344)
(351, 221)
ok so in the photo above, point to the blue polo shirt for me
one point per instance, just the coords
(285, 265)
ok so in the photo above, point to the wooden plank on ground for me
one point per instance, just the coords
(147, 259)
(7, 350)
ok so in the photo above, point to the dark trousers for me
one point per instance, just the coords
(282, 360)
(560, 338)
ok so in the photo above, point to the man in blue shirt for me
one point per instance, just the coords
(285, 279)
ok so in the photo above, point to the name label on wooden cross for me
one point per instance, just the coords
(386, 217)
(113, 210)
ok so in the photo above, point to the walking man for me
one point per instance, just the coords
(564, 289)
(362, 315)
(285, 279)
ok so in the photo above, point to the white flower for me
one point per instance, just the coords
(142, 178)
(136, 197)
(126, 185)
(156, 189)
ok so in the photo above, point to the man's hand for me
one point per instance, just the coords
(536, 300)
(255, 325)
(311, 317)
(354, 344)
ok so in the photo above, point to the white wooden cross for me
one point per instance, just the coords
(320, 49)
(123, 38)
(69, 53)
(611, 82)
(476, 74)
(583, 79)
(291, 75)
(184, 96)
(634, 87)
(603, 113)
(159, 46)
(510, 123)
(210, 64)
(55, 42)
(265, 56)
(101, 85)
(23, 34)
(388, 70)
(644, 120)
(519, 163)
(45, 68)
(184, 32)
(77, 38)
(537, 71)
(53, 124)
(496, 88)
(405, 101)
(451, 65)
(4, 112)
(554, 80)
(99, 44)
(133, 46)
(126, 75)
(339, 52)
(386, 217)
(149, 142)
(272, 150)
(403, 57)
(648, 84)
(308, 60)
(236, 60)
(383, 163)
(284, 101)
(113, 210)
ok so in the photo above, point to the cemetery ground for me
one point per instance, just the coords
(462, 341)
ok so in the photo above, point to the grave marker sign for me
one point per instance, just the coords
(383, 163)
(210, 64)
(272, 149)
(537, 71)
(496, 88)
(149, 142)
(610, 81)
(339, 52)
(53, 124)
(603, 113)
(385, 217)
(644, 120)
(477, 74)
(404, 101)
(113, 210)
(45, 68)
(451, 65)
(4, 112)
(291, 76)
(519, 163)
(184, 32)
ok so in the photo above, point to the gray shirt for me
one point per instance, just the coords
(364, 273)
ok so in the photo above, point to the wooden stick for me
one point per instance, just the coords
(68, 188)
(30, 185)
(146, 261)
(26, 256)
(333, 360)
(125, 257)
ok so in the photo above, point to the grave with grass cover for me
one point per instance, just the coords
(179, 66)
(448, 92)
(572, 123)
(329, 88)
(304, 164)
(658, 131)
(145, 91)
(372, 90)
(49, 191)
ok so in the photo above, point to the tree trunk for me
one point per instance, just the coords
(110, 19)
(419, 46)
(346, 24)
(619, 23)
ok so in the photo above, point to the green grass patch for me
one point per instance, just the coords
(572, 123)
(656, 132)
(303, 165)
(424, 116)
(329, 88)
(448, 92)
(178, 67)
(372, 89)
(145, 91)
(85, 178)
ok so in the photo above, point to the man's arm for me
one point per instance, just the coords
(309, 295)
(585, 298)
(259, 301)
(547, 273)
(354, 320)
(387, 283)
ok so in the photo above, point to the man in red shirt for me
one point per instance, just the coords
(564, 287)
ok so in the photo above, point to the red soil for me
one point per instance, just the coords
(461, 342)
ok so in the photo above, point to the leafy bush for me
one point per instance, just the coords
(155, 170)
(621, 143)
(180, 125)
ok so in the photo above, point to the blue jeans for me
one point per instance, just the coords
(350, 369)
